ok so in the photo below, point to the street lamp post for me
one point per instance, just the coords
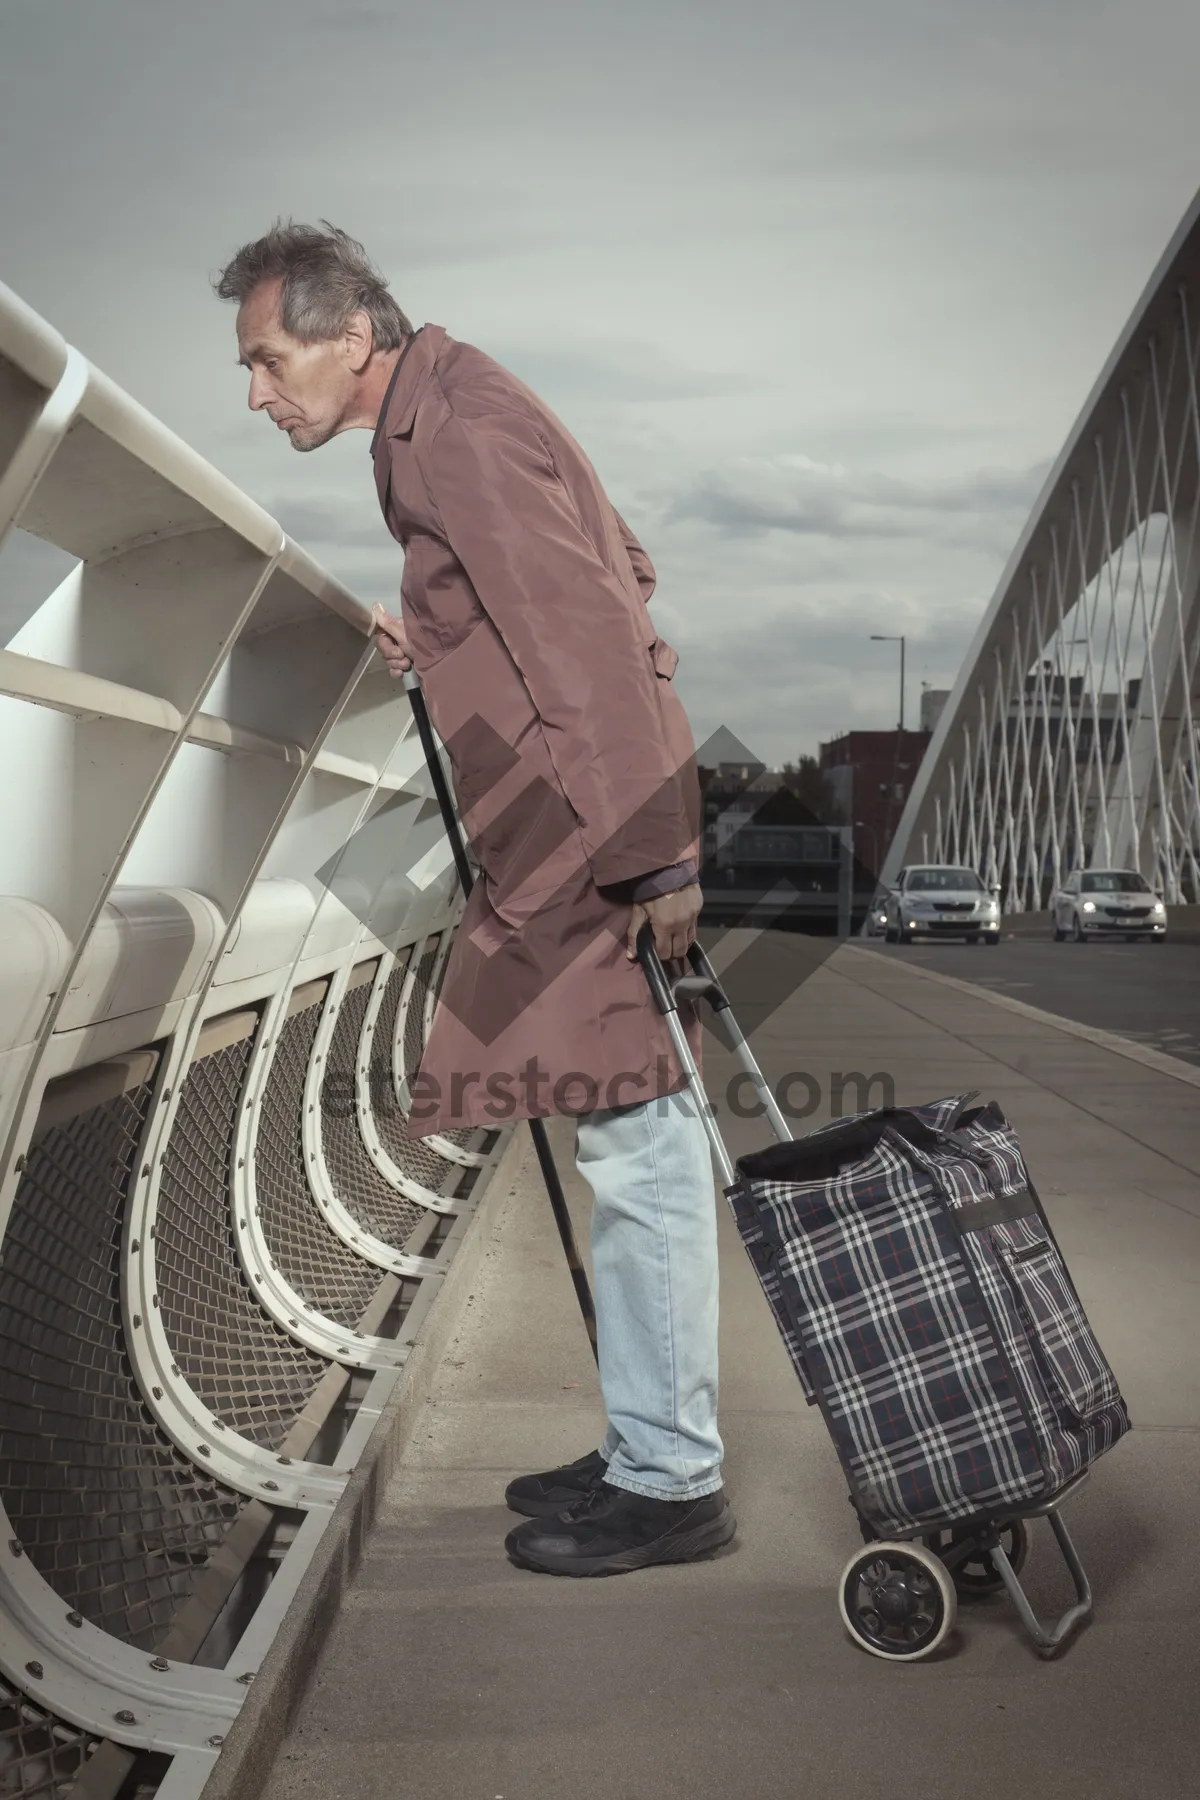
(879, 638)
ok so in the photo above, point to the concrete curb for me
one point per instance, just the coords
(1092, 1034)
(248, 1756)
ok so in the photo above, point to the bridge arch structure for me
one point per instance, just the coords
(1071, 738)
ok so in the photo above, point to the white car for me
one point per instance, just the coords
(876, 920)
(1098, 903)
(935, 900)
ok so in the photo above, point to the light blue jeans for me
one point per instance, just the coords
(654, 1258)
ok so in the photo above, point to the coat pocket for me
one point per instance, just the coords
(665, 660)
(1064, 1345)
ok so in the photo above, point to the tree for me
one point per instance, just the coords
(807, 780)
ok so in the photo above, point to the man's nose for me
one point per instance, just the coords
(260, 392)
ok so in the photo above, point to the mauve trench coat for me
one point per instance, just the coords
(524, 601)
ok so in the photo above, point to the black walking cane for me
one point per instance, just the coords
(537, 1128)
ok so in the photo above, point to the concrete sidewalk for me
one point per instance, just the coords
(451, 1675)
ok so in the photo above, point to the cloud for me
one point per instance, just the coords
(797, 494)
(617, 371)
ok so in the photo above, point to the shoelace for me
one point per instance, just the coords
(589, 1502)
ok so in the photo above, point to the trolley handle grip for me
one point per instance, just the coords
(669, 990)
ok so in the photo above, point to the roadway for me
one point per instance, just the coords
(1148, 993)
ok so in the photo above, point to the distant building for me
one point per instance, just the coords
(933, 701)
(726, 756)
(871, 773)
(762, 839)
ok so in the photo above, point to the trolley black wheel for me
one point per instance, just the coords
(897, 1601)
(971, 1568)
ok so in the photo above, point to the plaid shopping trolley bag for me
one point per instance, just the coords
(929, 1314)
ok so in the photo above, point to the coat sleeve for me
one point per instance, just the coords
(567, 622)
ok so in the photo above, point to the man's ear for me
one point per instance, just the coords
(359, 340)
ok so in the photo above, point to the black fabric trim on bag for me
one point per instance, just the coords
(823, 1154)
(998, 1209)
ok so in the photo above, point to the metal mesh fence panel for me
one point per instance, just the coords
(321, 1269)
(364, 1192)
(112, 1516)
(244, 1368)
(40, 1755)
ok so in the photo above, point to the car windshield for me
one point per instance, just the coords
(1114, 881)
(943, 881)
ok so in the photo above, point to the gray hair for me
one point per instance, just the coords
(327, 277)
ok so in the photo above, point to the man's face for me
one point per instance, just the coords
(306, 389)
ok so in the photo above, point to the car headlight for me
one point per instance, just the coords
(1158, 907)
(991, 906)
(1089, 906)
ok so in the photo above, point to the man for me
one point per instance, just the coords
(523, 606)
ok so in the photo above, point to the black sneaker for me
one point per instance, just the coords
(545, 1496)
(612, 1531)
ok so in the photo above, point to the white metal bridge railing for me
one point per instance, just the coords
(225, 906)
(1071, 736)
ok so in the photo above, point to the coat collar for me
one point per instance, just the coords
(409, 379)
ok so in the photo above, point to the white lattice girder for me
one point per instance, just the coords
(1070, 735)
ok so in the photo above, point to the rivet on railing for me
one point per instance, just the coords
(125, 1717)
(35, 1669)
(159, 1664)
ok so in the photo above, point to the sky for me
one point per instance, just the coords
(821, 290)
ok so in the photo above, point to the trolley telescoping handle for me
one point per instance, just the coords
(537, 1128)
(703, 985)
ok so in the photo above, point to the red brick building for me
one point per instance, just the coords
(871, 773)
